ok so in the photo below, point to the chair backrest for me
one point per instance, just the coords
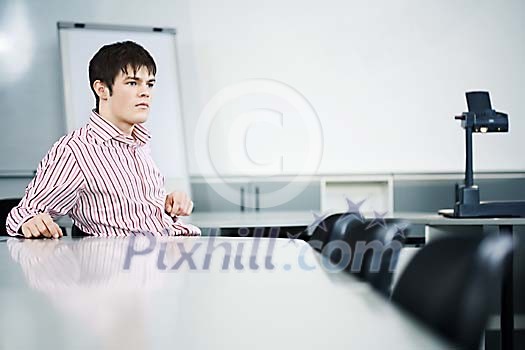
(321, 231)
(451, 284)
(5, 207)
(76, 232)
(373, 247)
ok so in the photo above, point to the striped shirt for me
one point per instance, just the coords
(104, 180)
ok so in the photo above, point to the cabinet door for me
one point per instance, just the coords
(222, 197)
(286, 196)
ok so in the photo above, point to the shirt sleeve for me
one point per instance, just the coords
(53, 190)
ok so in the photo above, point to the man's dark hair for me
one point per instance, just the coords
(112, 58)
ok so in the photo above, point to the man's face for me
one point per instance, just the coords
(130, 100)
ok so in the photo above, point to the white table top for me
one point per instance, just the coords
(76, 294)
(436, 219)
(251, 219)
(306, 218)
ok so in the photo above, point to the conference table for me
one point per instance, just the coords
(431, 226)
(150, 292)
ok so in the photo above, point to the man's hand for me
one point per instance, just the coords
(178, 203)
(41, 225)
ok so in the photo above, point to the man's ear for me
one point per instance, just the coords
(101, 89)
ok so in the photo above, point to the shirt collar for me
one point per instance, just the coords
(105, 130)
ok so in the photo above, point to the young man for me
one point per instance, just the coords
(102, 175)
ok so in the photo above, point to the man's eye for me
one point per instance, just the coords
(150, 85)
(132, 83)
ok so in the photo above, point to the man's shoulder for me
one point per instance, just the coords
(72, 138)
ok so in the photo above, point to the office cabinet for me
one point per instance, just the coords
(380, 193)
(251, 195)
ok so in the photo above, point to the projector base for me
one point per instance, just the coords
(492, 209)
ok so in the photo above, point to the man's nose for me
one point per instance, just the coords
(144, 92)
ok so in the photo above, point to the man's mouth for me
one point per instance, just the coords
(142, 105)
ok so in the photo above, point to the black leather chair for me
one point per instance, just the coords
(321, 232)
(374, 247)
(78, 233)
(451, 284)
(6, 205)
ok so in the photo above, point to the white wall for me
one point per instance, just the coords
(385, 78)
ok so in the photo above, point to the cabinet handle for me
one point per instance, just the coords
(242, 198)
(257, 198)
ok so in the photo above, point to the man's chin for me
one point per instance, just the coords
(140, 118)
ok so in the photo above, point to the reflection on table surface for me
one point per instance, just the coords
(191, 293)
